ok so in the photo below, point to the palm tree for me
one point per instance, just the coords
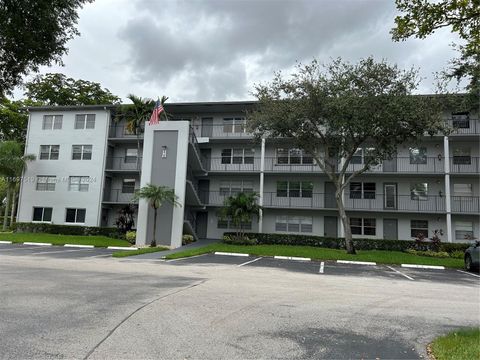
(136, 114)
(240, 209)
(12, 164)
(156, 195)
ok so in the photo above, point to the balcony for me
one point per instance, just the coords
(116, 196)
(247, 164)
(123, 164)
(465, 165)
(121, 132)
(399, 203)
(222, 131)
(464, 126)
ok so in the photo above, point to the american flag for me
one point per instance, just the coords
(156, 113)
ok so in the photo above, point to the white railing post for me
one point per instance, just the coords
(448, 204)
(260, 199)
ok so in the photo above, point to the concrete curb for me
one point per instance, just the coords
(37, 243)
(423, 266)
(79, 246)
(121, 248)
(356, 262)
(296, 258)
(5, 242)
(230, 254)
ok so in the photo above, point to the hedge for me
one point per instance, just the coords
(24, 227)
(339, 243)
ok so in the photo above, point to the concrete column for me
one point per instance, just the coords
(342, 229)
(262, 175)
(448, 203)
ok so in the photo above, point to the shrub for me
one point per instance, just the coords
(237, 240)
(131, 236)
(187, 239)
(339, 243)
(436, 254)
(22, 227)
(457, 254)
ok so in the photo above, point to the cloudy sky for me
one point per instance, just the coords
(213, 50)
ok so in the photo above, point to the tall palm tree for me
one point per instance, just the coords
(137, 113)
(156, 195)
(12, 164)
(240, 209)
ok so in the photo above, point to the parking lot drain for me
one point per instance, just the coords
(37, 243)
(292, 258)
(423, 266)
(78, 246)
(356, 262)
(5, 242)
(230, 254)
(122, 248)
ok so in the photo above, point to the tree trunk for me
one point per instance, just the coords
(14, 203)
(346, 224)
(154, 242)
(7, 205)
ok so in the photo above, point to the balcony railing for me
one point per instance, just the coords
(117, 196)
(123, 163)
(427, 204)
(222, 131)
(465, 165)
(464, 127)
(397, 165)
(122, 132)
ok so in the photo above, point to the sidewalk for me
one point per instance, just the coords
(160, 254)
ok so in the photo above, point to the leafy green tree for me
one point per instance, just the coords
(34, 33)
(14, 119)
(156, 195)
(57, 89)
(420, 18)
(12, 164)
(333, 110)
(240, 209)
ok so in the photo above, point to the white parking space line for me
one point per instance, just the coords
(5, 242)
(292, 258)
(121, 248)
(356, 262)
(322, 266)
(79, 246)
(37, 243)
(249, 262)
(399, 272)
(99, 256)
(434, 267)
(229, 254)
(466, 272)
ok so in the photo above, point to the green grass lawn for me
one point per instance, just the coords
(99, 241)
(379, 256)
(120, 254)
(458, 345)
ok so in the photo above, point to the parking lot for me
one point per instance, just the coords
(61, 302)
(326, 268)
(320, 268)
(59, 252)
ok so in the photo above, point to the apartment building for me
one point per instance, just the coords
(88, 167)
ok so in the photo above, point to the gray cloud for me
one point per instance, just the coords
(217, 49)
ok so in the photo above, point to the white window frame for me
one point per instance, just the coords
(419, 158)
(82, 152)
(362, 190)
(234, 154)
(363, 226)
(419, 197)
(76, 215)
(56, 122)
(232, 187)
(49, 152)
(43, 214)
(463, 227)
(84, 121)
(48, 181)
(422, 229)
(303, 189)
(461, 192)
(79, 183)
(294, 224)
(304, 158)
(128, 180)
